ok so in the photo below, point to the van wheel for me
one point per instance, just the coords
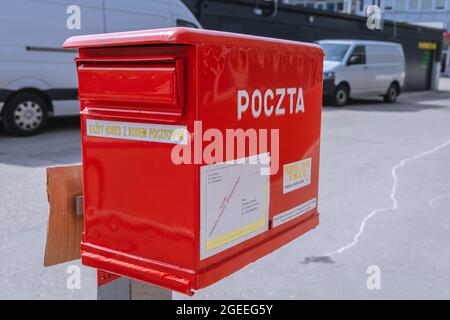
(392, 94)
(25, 114)
(340, 97)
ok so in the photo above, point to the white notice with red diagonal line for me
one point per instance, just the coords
(234, 204)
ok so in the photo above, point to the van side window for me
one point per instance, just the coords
(186, 24)
(358, 56)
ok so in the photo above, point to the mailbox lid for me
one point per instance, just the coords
(167, 36)
(151, 84)
(139, 82)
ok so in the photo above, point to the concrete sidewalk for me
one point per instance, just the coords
(384, 201)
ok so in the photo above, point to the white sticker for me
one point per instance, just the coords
(234, 204)
(137, 131)
(296, 175)
(293, 213)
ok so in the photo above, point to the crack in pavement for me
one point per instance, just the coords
(433, 200)
(393, 198)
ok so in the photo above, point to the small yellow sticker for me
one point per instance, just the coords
(137, 131)
(296, 175)
(423, 45)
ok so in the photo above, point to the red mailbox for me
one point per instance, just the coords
(200, 151)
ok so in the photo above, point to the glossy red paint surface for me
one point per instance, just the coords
(142, 211)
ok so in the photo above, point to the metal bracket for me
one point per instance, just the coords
(79, 207)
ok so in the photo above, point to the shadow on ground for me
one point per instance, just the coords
(411, 102)
(55, 125)
(58, 144)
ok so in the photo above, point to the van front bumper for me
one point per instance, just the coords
(328, 87)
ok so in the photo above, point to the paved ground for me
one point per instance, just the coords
(384, 201)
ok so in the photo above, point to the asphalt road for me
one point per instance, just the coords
(384, 201)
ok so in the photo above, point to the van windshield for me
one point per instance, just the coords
(334, 51)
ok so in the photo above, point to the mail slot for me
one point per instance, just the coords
(140, 85)
(200, 151)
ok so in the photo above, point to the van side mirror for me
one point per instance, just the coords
(353, 60)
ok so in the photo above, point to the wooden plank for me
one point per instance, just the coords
(65, 227)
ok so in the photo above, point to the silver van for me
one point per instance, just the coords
(358, 68)
(37, 77)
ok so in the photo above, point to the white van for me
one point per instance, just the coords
(37, 77)
(357, 68)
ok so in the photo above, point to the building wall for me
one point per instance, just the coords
(331, 5)
(305, 24)
(433, 13)
(343, 6)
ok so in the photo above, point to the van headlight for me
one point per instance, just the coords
(328, 75)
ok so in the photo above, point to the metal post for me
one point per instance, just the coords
(145, 291)
(112, 287)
